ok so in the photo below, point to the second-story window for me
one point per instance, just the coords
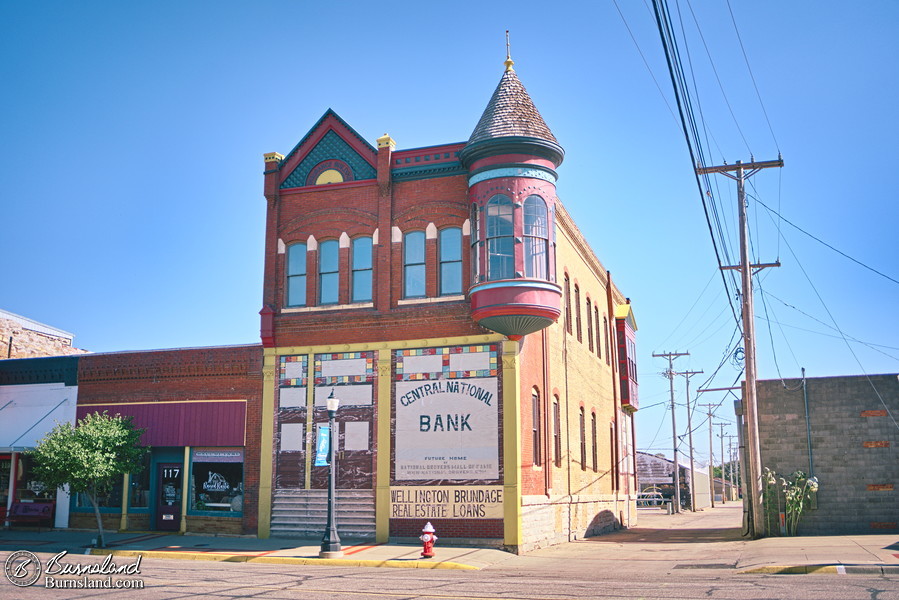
(450, 256)
(500, 239)
(296, 275)
(414, 264)
(475, 242)
(362, 270)
(567, 291)
(328, 272)
(589, 325)
(536, 238)
(536, 416)
(577, 312)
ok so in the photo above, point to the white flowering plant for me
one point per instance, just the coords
(793, 495)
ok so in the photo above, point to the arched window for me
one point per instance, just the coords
(475, 243)
(500, 239)
(362, 270)
(450, 257)
(589, 325)
(593, 438)
(577, 312)
(583, 427)
(536, 238)
(557, 431)
(296, 275)
(414, 264)
(535, 428)
(605, 335)
(596, 320)
(567, 291)
(328, 272)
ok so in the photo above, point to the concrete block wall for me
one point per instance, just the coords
(853, 448)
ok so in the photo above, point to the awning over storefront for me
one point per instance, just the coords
(201, 423)
(29, 412)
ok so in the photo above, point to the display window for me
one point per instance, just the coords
(216, 482)
(139, 496)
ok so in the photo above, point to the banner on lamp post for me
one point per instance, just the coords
(323, 446)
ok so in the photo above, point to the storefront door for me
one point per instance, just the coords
(168, 499)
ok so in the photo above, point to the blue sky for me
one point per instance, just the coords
(133, 135)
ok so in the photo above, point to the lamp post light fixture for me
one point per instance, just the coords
(330, 540)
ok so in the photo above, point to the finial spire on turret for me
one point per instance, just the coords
(509, 62)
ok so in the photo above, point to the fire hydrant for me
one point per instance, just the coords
(428, 537)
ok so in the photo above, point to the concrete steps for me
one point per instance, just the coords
(300, 513)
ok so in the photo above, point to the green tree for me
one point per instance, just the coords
(89, 457)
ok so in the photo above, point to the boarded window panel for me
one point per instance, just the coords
(355, 436)
(292, 437)
(292, 397)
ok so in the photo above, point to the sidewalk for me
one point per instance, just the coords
(708, 539)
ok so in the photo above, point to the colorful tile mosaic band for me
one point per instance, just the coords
(368, 376)
(288, 363)
(445, 372)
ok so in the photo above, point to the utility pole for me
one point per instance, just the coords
(723, 479)
(670, 375)
(730, 453)
(750, 400)
(711, 455)
(687, 375)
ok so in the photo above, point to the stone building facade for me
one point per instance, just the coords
(21, 337)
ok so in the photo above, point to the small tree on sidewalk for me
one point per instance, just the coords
(89, 457)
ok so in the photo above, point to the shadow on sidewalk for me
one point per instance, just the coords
(648, 535)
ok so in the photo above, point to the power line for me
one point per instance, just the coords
(840, 252)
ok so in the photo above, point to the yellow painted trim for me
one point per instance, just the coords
(385, 141)
(266, 448)
(184, 489)
(393, 345)
(382, 484)
(310, 423)
(273, 157)
(126, 487)
(161, 403)
(286, 560)
(511, 445)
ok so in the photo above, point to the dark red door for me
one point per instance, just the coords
(168, 496)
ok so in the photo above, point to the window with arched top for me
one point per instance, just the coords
(536, 238)
(475, 243)
(536, 439)
(361, 276)
(449, 253)
(589, 325)
(328, 272)
(582, 423)
(500, 239)
(414, 265)
(577, 312)
(296, 275)
(567, 291)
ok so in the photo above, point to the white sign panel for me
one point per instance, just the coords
(447, 429)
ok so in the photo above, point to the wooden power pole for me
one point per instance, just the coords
(687, 375)
(670, 375)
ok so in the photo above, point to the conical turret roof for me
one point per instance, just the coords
(511, 112)
(511, 124)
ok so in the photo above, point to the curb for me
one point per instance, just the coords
(873, 569)
(288, 560)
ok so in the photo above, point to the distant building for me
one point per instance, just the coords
(655, 473)
(21, 337)
(844, 431)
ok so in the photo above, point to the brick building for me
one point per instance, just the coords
(843, 431)
(484, 359)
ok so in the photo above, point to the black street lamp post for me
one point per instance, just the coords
(330, 540)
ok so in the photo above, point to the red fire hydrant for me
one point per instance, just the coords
(428, 537)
